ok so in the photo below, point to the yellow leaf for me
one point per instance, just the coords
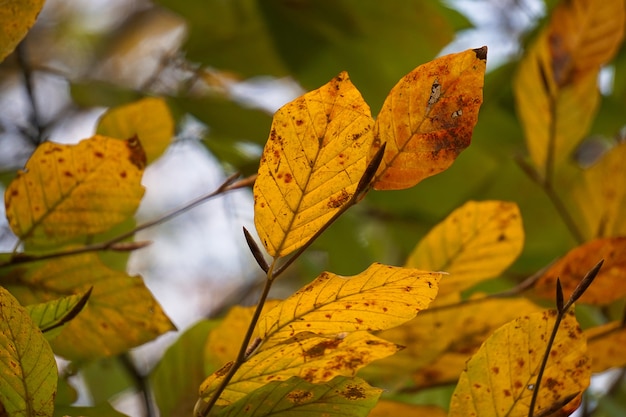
(306, 355)
(599, 196)
(312, 163)
(445, 370)
(386, 408)
(428, 118)
(148, 119)
(608, 286)
(67, 191)
(606, 346)
(380, 297)
(121, 312)
(16, 18)
(556, 85)
(500, 378)
(476, 242)
(27, 366)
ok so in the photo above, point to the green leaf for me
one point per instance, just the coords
(27, 365)
(295, 397)
(180, 371)
(53, 314)
(121, 313)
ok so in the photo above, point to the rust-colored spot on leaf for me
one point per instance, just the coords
(137, 154)
(338, 201)
(320, 348)
(299, 396)
(353, 392)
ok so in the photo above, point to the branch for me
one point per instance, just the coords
(117, 244)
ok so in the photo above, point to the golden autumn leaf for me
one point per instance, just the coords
(67, 191)
(475, 242)
(599, 196)
(608, 286)
(339, 397)
(556, 85)
(306, 355)
(16, 18)
(27, 365)
(428, 118)
(386, 408)
(311, 165)
(380, 297)
(500, 378)
(606, 346)
(149, 119)
(121, 312)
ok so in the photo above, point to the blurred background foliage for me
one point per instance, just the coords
(224, 67)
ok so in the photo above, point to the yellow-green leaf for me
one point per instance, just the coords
(67, 191)
(295, 397)
(121, 312)
(475, 242)
(599, 196)
(606, 346)
(556, 84)
(311, 165)
(149, 119)
(27, 365)
(379, 298)
(51, 315)
(428, 118)
(608, 286)
(306, 355)
(16, 18)
(500, 378)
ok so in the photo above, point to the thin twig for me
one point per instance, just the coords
(27, 72)
(141, 383)
(114, 244)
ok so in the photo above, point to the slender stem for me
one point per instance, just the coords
(141, 383)
(30, 92)
(113, 244)
(243, 354)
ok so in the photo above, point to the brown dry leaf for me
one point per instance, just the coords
(599, 196)
(428, 118)
(306, 355)
(608, 286)
(606, 346)
(556, 85)
(475, 242)
(16, 18)
(379, 298)
(68, 191)
(311, 165)
(500, 378)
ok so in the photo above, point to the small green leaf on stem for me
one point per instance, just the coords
(256, 251)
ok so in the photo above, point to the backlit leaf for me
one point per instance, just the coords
(385, 408)
(53, 314)
(556, 85)
(27, 366)
(311, 164)
(608, 286)
(306, 355)
(476, 242)
(295, 397)
(428, 118)
(599, 196)
(380, 297)
(16, 18)
(606, 346)
(500, 378)
(68, 191)
(180, 371)
(148, 119)
(121, 312)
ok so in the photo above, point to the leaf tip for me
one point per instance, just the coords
(481, 53)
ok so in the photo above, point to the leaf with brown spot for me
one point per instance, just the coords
(380, 297)
(428, 118)
(68, 191)
(606, 346)
(517, 349)
(306, 355)
(476, 242)
(121, 312)
(608, 286)
(296, 397)
(311, 165)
